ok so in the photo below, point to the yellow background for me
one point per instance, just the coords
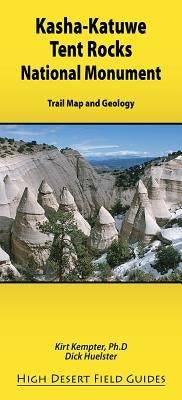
(148, 317)
(26, 101)
(34, 317)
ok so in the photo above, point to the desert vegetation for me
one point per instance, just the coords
(12, 147)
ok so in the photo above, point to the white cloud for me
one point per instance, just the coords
(120, 153)
(87, 148)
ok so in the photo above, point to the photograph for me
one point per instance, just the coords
(90, 203)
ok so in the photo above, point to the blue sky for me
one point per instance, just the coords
(103, 140)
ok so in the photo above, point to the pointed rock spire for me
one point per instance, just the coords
(154, 189)
(104, 231)
(44, 188)
(29, 244)
(141, 188)
(104, 217)
(29, 205)
(143, 206)
(140, 199)
(11, 188)
(143, 198)
(3, 196)
(67, 204)
(81, 223)
(13, 195)
(145, 227)
(5, 218)
(4, 205)
(150, 226)
(159, 207)
(46, 198)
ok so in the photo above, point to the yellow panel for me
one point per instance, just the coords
(36, 316)
(155, 100)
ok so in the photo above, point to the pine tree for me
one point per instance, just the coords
(68, 252)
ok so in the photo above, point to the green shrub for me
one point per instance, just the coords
(119, 253)
(84, 264)
(65, 148)
(142, 249)
(171, 223)
(118, 208)
(29, 149)
(93, 216)
(137, 275)
(175, 276)
(166, 258)
(29, 273)
(179, 222)
(21, 149)
(105, 271)
(95, 253)
(129, 177)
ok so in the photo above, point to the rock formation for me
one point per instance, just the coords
(67, 204)
(5, 219)
(13, 195)
(140, 198)
(46, 198)
(104, 231)
(4, 204)
(145, 227)
(7, 270)
(159, 207)
(98, 189)
(84, 190)
(28, 244)
(169, 177)
(146, 212)
(62, 168)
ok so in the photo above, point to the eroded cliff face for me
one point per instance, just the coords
(97, 189)
(68, 168)
(163, 191)
(169, 177)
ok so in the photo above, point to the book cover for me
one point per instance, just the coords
(90, 200)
